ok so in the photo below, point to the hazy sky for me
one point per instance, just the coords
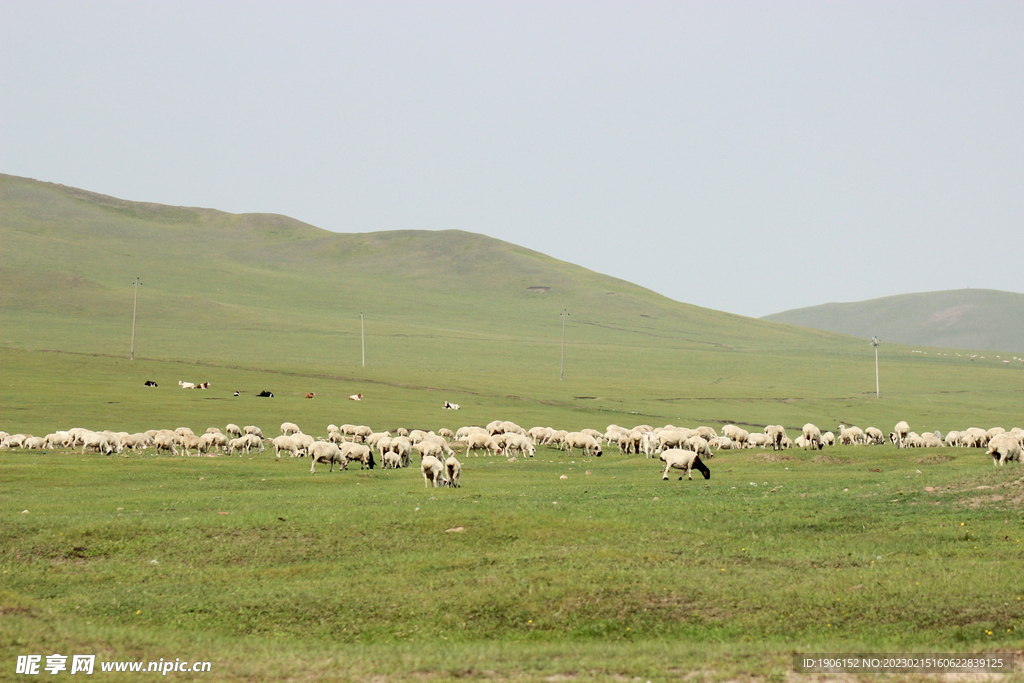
(744, 156)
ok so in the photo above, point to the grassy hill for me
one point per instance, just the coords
(264, 301)
(959, 318)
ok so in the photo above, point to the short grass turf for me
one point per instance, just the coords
(272, 573)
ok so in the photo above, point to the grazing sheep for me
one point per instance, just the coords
(325, 451)
(775, 434)
(403, 447)
(289, 428)
(252, 429)
(433, 471)
(585, 442)
(828, 438)
(402, 431)
(358, 452)
(812, 436)
(244, 443)
(431, 436)
(99, 443)
(391, 460)
(874, 436)
(899, 433)
(952, 439)
(165, 441)
(286, 443)
(209, 441)
(233, 430)
(58, 440)
(722, 443)
(683, 460)
(481, 441)
(517, 443)
(304, 440)
(929, 440)
(453, 470)
(189, 442)
(757, 440)
(1004, 447)
(425, 448)
(706, 433)
(446, 434)
(35, 443)
(700, 446)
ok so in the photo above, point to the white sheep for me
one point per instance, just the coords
(1004, 447)
(425, 448)
(233, 430)
(775, 434)
(325, 452)
(358, 452)
(481, 441)
(286, 443)
(403, 447)
(874, 436)
(288, 428)
(684, 460)
(253, 429)
(585, 442)
(517, 443)
(899, 433)
(391, 460)
(433, 471)
(812, 436)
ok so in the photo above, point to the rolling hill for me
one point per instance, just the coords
(960, 318)
(255, 301)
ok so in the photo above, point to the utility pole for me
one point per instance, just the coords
(875, 341)
(561, 371)
(135, 310)
(362, 335)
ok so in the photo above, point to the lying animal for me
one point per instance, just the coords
(451, 406)
(310, 395)
(355, 397)
(149, 383)
(265, 394)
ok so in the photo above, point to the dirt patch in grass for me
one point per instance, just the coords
(933, 459)
(830, 460)
(773, 457)
(978, 501)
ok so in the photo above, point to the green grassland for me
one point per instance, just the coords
(339, 576)
(351, 575)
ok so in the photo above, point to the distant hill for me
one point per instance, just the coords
(221, 285)
(959, 318)
(449, 315)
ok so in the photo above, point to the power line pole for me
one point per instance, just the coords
(362, 335)
(561, 371)
(875, 341)
(135, 310)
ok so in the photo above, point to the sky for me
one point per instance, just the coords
(750, 157)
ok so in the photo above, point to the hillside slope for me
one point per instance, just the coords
(960, 318)
(261, 301)
(71, 256)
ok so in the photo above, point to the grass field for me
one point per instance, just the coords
(609, 572)
(610, 575)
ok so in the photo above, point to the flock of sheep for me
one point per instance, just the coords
(678, 447)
